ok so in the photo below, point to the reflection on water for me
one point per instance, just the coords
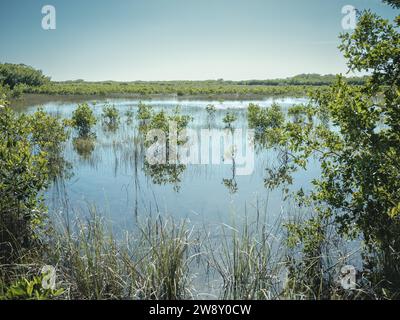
(111, 172)
(84, 146)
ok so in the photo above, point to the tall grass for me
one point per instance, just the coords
(165, 257)
(157, 261)
(92, 263)
(150, 263)
(248, 263)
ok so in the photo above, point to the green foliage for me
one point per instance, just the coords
(129, 114)
(245, 261)
(84, 146)
(24, 174)
(211, 110)
(231, 185)
(29, 152)
(150, 263)
(229, 119)
(181, 120)
(312, 79)
(165, 173)
(83, 120)
(297, 86)
(144, 115)
(374, 46)
(267, 123)
(12, 75)
(180, 88)
(19, 79)
(300, 113)
(358, 187)
(162, 121)
(262, 118)
(110, 115)
(145, 112)
(50, 134)
(171, 125)
(159, 120)
(25, 289)
(165, 247)
(5, 93)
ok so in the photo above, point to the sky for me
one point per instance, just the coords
(126, 40)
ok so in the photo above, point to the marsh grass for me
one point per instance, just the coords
(165, 257)
(150, 263)
(93, 264)
(161, 259)
(247, 262)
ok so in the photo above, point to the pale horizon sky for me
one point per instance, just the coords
(129, 40)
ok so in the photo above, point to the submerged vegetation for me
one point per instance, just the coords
(110, 116)
(164, 166)
(83, 120)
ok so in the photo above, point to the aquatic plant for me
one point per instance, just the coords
(83, 120)
(110, 115)
(211, 110)
(229, 119)
(129, 114)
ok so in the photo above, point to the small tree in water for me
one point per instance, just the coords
(110, 116)
(83, 120)
(229, 119)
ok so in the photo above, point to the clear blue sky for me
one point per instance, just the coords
(177, 39)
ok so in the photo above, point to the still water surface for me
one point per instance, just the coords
(112, 177)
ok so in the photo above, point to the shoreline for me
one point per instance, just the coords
(36, 99)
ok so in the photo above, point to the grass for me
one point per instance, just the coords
(155, 261)
(166, 260)
(165, 255)
(247, 263)
(152, 263)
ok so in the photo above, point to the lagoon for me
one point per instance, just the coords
(113, 179)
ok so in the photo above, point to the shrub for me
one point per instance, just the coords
(129, 116)
(110, 115)
(24, 174)
(211, 110)
(83, 120)
(15, 74)
(50, 134)
(229, 119)
(25, 289)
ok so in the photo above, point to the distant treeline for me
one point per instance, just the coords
(312, 79)
(16, 80)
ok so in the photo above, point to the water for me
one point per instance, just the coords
(112, 177)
